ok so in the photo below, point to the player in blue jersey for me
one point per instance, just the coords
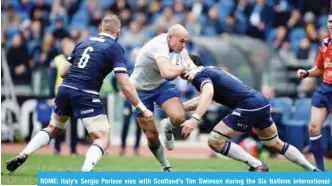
(78, 96)
(250, 109)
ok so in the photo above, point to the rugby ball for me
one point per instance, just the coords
(175, 58)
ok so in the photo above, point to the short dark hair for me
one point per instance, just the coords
(330, 13)
(196, 59)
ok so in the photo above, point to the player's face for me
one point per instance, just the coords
(329, 24)
(178, 42)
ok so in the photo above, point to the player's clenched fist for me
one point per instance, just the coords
(302, 73)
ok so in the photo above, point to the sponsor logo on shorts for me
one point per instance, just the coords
(87, 111)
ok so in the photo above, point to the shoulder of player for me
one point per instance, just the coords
(325, 42)
(111, 44)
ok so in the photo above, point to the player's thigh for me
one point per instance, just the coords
(226, 130)
(174, 110)
(62, 108)
(97, 126)
(168, 99)
(86, 105)
(319, 109)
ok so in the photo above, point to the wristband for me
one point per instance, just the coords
(195, 117)
(306, 74)
(140, 107)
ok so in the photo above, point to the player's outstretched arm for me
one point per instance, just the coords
(168, 70)
(191, 104)
(206, 97)
(314, 72)
(131, 95)
(205, 100)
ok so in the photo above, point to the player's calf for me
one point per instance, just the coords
(288, 150)
(221, 143)
(98, 128)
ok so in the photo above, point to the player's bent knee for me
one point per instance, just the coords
(271, 141)
(216, 140)
(314, 129)
(178, 119)
(58, 122)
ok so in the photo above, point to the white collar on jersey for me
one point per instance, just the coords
(107, 35)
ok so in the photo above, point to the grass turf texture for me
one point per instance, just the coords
(27, 174)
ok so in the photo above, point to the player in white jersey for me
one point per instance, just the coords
(151, 73)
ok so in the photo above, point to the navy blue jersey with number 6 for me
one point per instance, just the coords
(92, 59)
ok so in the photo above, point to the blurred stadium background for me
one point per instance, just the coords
(263, 42)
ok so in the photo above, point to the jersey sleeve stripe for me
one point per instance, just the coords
(204, 83)
(116, 69)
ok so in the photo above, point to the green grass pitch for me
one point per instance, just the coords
(27, 174)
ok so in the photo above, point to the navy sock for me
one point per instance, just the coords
(317, 150)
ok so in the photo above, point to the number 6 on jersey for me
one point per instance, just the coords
(85, 57)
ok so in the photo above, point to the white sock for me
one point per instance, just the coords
(158, 152)
(295, 156)
(41, 139)
(93, 155)
(236, 152)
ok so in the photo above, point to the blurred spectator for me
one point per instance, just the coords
(125, 17)
(95, 19)
(304, 50)
(117, 7)
(212, 25)
(36, 31)
(309, 20)
(285, 49)
(57, 10)
(295, 19)
(55, 80)
(25, 6)
(283, 9)
(141, 6)
(167, 17)
(153, 11)
(37, 15)
(60, 32)
(48, 51)
(133, 37)
(40, 8)
(128, 112)
(83, 35)
(10, 19)
(71, 6)
(141, 19)
(19, 62)
(241, 15)
(306, 88)
(280, 37)
(260, 20)
(179, 10)
(192, 25)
